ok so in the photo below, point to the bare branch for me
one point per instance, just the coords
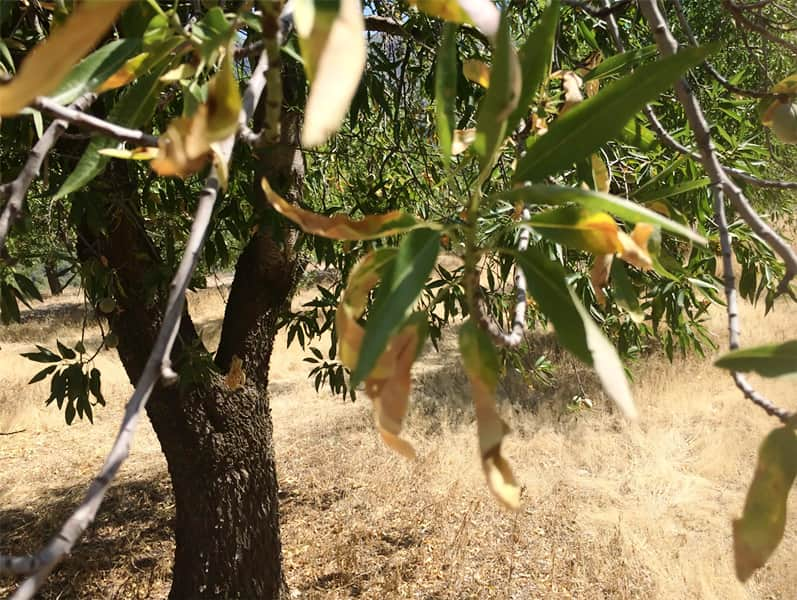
(738, 14)
(39, 566)
(16, 190)
(721, 185)
(679, 11)
(81, 119)
(514, 337)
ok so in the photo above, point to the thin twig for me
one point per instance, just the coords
(81, 119)
(17, 190)
(739, 16)
(39, 565)
(13, 432)
(720, 185)
(514, 336)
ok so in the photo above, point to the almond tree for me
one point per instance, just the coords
(177, 133)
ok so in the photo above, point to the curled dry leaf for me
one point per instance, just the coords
(235, 378)
(571, 83)
(476, 71)
(50, 61)
(599, 276)
(388, 384)
(341, 227)
(635, 246)
(481, 366)
(334, 50)
(186, 146)
(127, 73)
(463, 138)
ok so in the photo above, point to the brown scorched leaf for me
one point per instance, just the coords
(341, 227)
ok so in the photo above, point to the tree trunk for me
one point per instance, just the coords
(217, 441)
(53, 280)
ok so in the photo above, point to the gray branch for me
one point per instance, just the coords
(81, 119)
(16, 190)
(720, 186)
(514, 336)
(39, 565)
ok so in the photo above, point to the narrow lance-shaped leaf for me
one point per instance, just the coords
(417, 255)
(579, 228)
(593, 122)
(759, 531)
(446, 89)
(773, 360)
(341, 227)
(50, 61)
(480, 360)
(575, 329)
(95, 69)
(481, 13)
(535, 59)
(620, 207)
(620, 63)
(500, 100)
(334, 49)
(388, 383)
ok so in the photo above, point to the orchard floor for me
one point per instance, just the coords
(610, 509)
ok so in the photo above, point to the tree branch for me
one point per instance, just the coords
(514, 336)
(721, 185)
(81, 119)
(738, 14)
(16, 190)
(40, 565)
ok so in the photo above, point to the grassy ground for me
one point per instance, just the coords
(610, 510)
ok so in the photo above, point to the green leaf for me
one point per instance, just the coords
(770, 361)
(69, 413)
(67, 353)
(42, 374)
(589, 124)
(27, 287)
(9, 309)
(606, 362)
(635, 134)
(574, 327)
(624, 293)
(547, 285)
(759, 531)
(619, 63)
(95, 386)
(500, 100)
(620, 207)
(446, 89)
(578, 228)
(672, 190)
(134, 108)
(95, 69)
(479, 355)
(212, 31)
(396, 296)
(535, 59)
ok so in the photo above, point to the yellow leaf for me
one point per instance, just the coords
(184, 148)
(341, 227)
(224, 102)
(481, 366)
(477, 71)
(787, 86)
(334, 60)
(50, 61)
(235, 378)
(599, 276)
(127, 73)
(187, 144)
(183, 71)
(635, 246)
(481, 13)
(388, 384)
(571, 83)
(600, 174)
(462, 139)
(145, 153)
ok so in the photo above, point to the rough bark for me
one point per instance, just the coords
(217, 442)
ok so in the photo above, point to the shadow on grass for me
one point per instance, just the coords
(126, 552)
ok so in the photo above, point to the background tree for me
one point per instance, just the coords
(543, 121)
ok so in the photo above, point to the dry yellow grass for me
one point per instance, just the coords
(610, 510)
